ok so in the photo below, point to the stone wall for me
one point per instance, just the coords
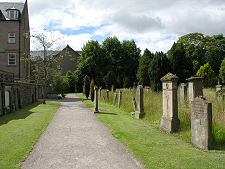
(16, 95)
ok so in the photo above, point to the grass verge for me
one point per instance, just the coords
(19, 131)
(155, 149)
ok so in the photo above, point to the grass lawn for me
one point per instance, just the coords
(154, 148)
(19, 131)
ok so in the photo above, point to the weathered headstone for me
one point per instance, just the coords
(169, 120)
(183, 92)
(119, 98)
(100, 92)
(1, 112)
(112, 89)
(139, 113)
(107, 95)
(96, 100)
(218, 88)
(114, 98)
(195, 88)
(201, 123)
(147, 88)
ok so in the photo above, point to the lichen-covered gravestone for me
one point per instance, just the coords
(195, 88)
(96, 100)
(139, 113)
(201, 123)
(169, 120)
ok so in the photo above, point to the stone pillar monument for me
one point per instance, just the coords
(169, 120)
(195, 88)
(96, 100)
(139, 113)
(183, 92)
(119, 98)
(201, 123)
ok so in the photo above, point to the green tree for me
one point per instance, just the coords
(87, 86)
(158, 67)
(222, 71)
(112, 50)
(180, 64)
(91, 61)
(208, 75)
(130, 61)
(44, 67)
(142, 73)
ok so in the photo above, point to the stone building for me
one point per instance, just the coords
(69, 58)
(14, 39)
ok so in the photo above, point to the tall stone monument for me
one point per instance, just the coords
(169, 120)
(96, 100)
(195, 88)
(201, 123)
(139, 113)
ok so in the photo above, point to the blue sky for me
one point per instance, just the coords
(155, 25)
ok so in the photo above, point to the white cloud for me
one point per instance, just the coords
(149, 22)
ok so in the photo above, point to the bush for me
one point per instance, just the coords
(86, 86)
(71, 80)
(208, 75)
(92, 89)
(222, 71)
(60, 84)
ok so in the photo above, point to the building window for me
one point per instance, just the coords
(13, 14)
(11, 38)
(11, 59)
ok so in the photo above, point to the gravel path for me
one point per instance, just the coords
(75, 138)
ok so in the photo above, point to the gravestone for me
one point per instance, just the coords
(112, 89)
(201, 123)
(195, 88)
(183, 92)
(114, 98)
(1, 111)
(119, 98)
(134, 103)
(169, 120)
(147, 88)
(96, 100)
(218, 88)
(139, 113)
(100, 92)
(107, 95)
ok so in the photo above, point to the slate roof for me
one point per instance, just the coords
(40, 53)
(8, 5)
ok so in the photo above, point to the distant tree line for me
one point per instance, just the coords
(122, 65)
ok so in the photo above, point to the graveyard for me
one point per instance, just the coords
(195, 140)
